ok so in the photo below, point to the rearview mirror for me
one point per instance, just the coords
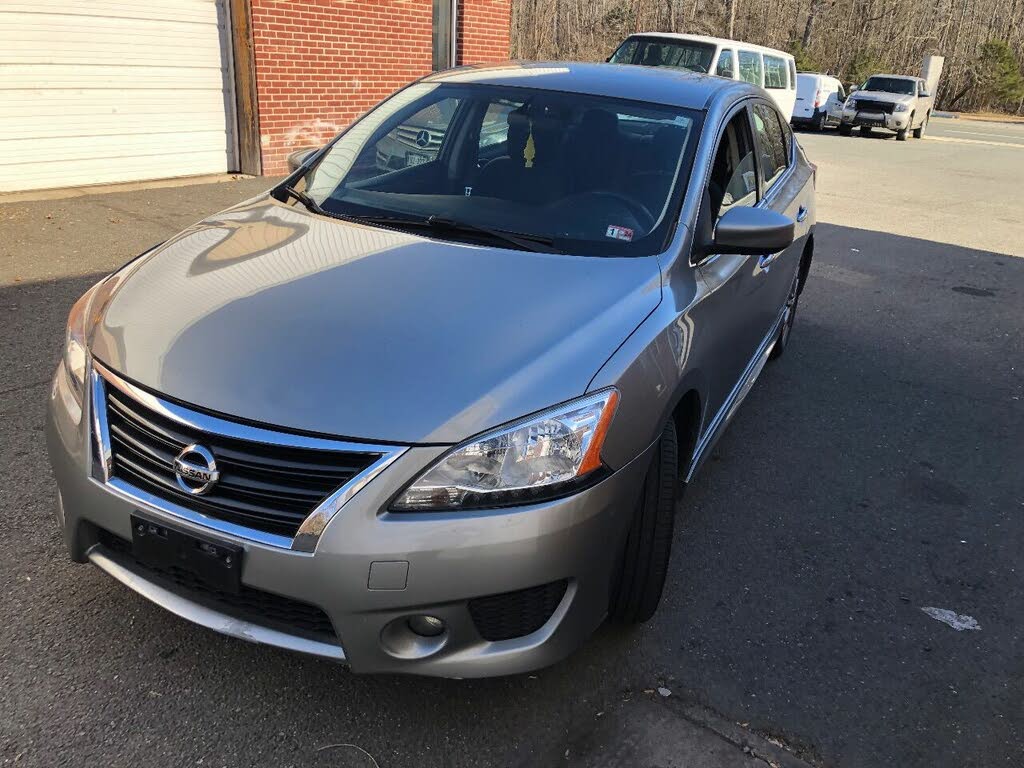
(300, 156)
(753, 231)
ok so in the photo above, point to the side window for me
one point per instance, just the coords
(733, 181)
(774, 72)
(724, 68)
(750, 67)
(771, 143)
(416, 140)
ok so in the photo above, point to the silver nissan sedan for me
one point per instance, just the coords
(431, 410)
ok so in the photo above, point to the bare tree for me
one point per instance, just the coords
(847, 38)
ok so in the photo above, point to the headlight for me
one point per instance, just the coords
(850, 103)
(900, 108)
(542, 457)
(74, 345)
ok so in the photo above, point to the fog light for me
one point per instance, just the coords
(426, 626)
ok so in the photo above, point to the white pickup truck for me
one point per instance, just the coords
(897, 103)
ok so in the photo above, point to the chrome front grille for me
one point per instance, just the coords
(870, 105)
(267, 485)
(412, 136)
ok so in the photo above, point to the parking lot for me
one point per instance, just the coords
(874, 471)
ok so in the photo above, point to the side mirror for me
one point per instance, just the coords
(925, 95)
(752, 232)
(854, 88)
(300, 156)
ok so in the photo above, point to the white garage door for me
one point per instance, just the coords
(98, 91)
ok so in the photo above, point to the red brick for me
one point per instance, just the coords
(311, 53)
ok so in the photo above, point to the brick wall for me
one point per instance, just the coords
(483, 30)
(322, 63)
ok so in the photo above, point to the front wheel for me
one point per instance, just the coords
(819, 122)
(638, 584)
(901, 135)
(788, 318)
(845, 130)
(865, 130)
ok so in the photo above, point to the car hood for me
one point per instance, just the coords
(271, 314)
(895, 98)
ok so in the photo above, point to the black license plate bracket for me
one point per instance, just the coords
(215, 563)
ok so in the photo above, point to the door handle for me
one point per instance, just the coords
(802, 213)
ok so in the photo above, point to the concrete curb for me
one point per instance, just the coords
(62, 193)
(769, 751)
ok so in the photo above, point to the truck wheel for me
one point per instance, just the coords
(637, 586)
(901, 135)
(819, 122)
(845, 130)
(919, 131)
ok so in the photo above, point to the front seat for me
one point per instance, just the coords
(529, 174)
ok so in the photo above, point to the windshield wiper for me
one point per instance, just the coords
(523, 241)
(302, 197)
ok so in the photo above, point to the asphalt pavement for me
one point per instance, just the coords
(874, 471)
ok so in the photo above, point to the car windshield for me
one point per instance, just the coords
(654, 52)
(890, 85)
(530, 168)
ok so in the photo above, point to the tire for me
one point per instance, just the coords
(865, 130)
(845, 130)
(819, 122)
(786, 329)
(901, 135)
(919, 131)
(636, 590)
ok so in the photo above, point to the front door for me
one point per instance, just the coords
(734, 283)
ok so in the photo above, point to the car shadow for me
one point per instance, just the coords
(870, 473)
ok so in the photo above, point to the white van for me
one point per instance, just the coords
(819, 100)
(768, 68)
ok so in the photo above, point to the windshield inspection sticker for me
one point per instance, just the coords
(619, 233)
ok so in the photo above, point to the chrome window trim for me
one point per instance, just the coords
(312, 527)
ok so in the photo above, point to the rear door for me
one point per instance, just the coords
(806, 94)
(785, 187)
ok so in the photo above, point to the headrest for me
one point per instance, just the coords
(598, 125)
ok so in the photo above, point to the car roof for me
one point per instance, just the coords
(897, 77)
(657, 85)
(713, 41)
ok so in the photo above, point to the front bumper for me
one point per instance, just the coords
(447, 560)
(895, 121)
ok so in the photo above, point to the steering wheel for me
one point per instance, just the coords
(643, 216)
